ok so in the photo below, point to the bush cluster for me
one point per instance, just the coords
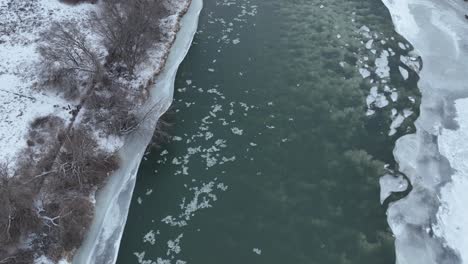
(49, 205)
(129, 29)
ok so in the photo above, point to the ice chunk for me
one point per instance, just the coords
(389, 184)
(376, 98)
(396, 123)
(364, 72)
(383, 70)
(403, 72)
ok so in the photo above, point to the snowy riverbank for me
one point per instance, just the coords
(40, 120)
(430, 224)
(103, 240)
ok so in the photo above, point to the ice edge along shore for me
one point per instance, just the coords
(113, 202)
(431, 223)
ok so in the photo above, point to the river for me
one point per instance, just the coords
(285, 115)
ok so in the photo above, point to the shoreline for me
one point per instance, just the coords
(103, 240)
(30, 110)
(437, 30)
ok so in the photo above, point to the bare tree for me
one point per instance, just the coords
(67, 56)
(75, 222)
(112, 109)
(129, 28)
(80, 165)
(18, 216)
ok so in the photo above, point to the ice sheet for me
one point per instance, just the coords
(424, 221)
(452, 217)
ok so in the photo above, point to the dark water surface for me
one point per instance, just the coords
(277, 146)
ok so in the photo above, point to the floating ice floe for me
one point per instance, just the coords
(150, 237)
(375, 98)
(364, 72)
(365, 31)
(237, 131)
(382, 70)
(411, 62)
(390, 184)
(402, 46)
(396, 123)
(403, 72)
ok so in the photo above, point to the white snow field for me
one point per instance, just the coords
(113, 202)
(430, 224)
(20, 100)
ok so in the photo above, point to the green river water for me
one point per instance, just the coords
(277, 147)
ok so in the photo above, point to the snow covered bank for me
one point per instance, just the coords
(21, 102)
(103, 240)
(430, 224)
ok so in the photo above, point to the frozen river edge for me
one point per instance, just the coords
(430, 224)
(113, 201)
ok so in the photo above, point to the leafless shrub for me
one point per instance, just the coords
(66, 218)
(112, 110)
(43, 143)
(55, 201)
(124, 125)
(129, 28)
(18, 216)
(22, 256)
(67, 58)
(46, 129)
(48, 121)
(80, 165)
(79, 169)
(73, 226)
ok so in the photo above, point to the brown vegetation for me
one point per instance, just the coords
(18, 216)
(129, 29)
(112, 110)
(81, 166)
(53, 198)
(16, 206)
(68, 61)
